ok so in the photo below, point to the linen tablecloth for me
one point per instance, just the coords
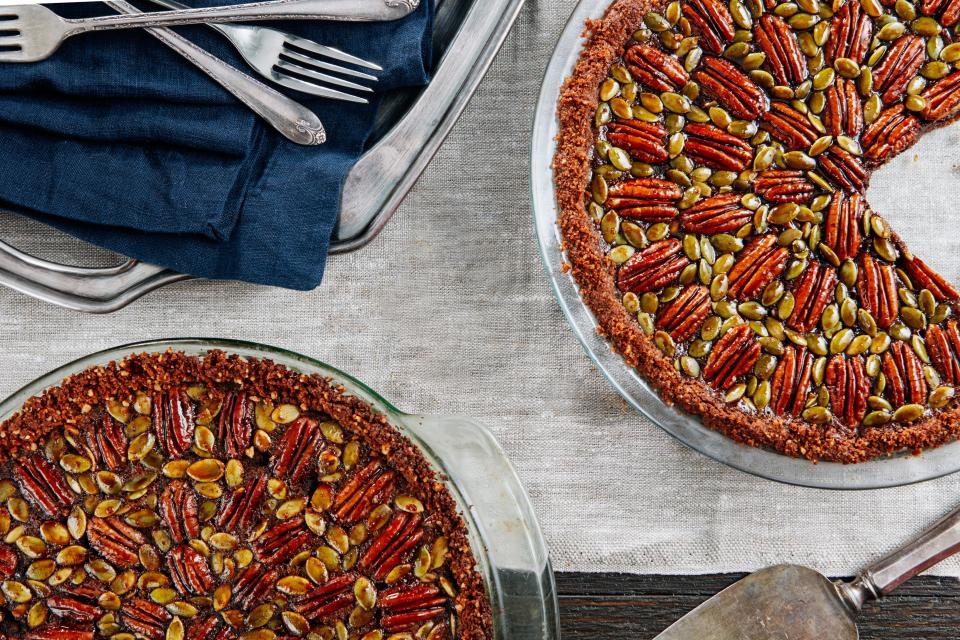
(449, 311)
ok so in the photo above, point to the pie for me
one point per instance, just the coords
(174, 497)
(711, 169)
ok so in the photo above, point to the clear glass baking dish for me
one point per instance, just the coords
(504, 534)
(894, 471)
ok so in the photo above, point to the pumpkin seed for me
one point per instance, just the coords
(285, 414)
(909, 413)
(208, 470)
(941, 397)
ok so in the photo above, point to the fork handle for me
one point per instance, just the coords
(290, 118)
(341, 10)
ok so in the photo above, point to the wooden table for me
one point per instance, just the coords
(615, 607)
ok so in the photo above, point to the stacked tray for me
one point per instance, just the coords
(411, 128)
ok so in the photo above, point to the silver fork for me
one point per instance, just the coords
(292, 119)
(290, 60)
(35, 32)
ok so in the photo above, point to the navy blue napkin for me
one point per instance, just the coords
(120, 142)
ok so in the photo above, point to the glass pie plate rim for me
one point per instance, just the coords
(897, 470)
(504, 534)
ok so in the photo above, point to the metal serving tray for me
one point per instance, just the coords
(506, 540)
(411, 127)
(894, 471)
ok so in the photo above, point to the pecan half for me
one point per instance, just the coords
(297, 450)
(211, 628)
(893, 131)
(713, 147)
(943, 344)
(712, 20)
(189, 571)
(783, 185)
(44, 485)
(943, 98)
(948, 11)
(760, 263)
(682, 316)
(398, 538)
(655, 69)
(732, 356)
(240, 509)
(363, 492)
(646, 141)
(898, 66)
(145, 618)
(652, 268)
(174, 421)
(779, 42)
(850, 33)
(179, 508)
(719, 214)
(647, 199)
(735, 91)
(791, 381)
(73, 608)
(282, 541)
(849, 386)
(108, 443)
(116, 541)
(408, 607)
(812, 294)
(254, 585)
(59, 633)
(924, 277)
(236, 424)
(844, 169)
(8, 562)
(842, 227)
(787, 125)
(328, 598)
(843, 114)
(904, 373)
(877, 284)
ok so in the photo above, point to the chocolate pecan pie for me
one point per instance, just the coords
(711, 169)
(173, 497)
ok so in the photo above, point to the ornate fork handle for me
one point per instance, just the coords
(341, 10)
(290, 118)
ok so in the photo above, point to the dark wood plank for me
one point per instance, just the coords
(608, 606)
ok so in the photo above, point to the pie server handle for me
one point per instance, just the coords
(931, 547)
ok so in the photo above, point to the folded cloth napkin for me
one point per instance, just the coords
(119, 141)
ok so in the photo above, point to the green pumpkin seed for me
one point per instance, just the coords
(951, 53)
(935, 70)
(891, 31)
(941, 397)
(799, 160)
(877, 418)
(817, 415)
(909, 413)
(926, 26)
(915, 103)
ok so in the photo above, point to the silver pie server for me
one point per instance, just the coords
(790, 602)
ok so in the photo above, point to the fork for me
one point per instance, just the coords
(282, 57)
(35, 32)
(290, 118)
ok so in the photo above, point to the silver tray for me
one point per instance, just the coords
(411, 127)
(894, 471)
(504, 535)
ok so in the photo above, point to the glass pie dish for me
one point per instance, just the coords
(503, 533)
(899, 469)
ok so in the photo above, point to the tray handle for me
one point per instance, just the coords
(92, 290)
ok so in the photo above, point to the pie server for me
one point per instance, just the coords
(790, 602)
